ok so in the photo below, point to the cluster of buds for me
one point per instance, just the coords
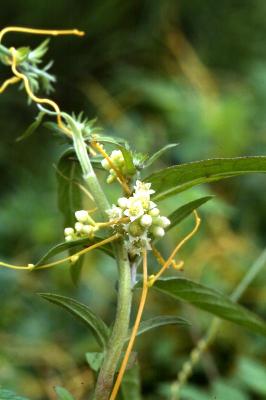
(84, 227)
(140, 218)
(118, 161)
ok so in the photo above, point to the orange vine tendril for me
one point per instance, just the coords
(134, 330)
(153, 278)
(30, 267)
(36, 99)
(162, 261)
(121, 179)
(33, 31)
(8, 82)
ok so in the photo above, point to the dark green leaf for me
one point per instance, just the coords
(156, 322)
(178, 178)
(8, 395)
(159, 153)
(32, 128)
(84, 313)
(95, 360)
(184, 211)
(63, 394)
(210, 300)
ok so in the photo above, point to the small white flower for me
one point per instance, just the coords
(79, 227)
(82, 215)
(122, 202)
(146, 220)
(143, 187)
(158, 231)
(69, 231)
(135, 209)
(114, 212)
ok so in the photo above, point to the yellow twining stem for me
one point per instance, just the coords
(8, 82)
(162, 261)
(134, 330)
(74, 256)
(33, 31)
(36, 99)
(177, 248)
(119, 176)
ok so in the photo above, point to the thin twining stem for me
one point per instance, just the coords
(162, 261)
(121, 179)
(153, 278)
(10, 81)
(33, 31)
(74, 256)
(32, 95)
(134, 330)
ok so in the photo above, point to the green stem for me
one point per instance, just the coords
(121, 324)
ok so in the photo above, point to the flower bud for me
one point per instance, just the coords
(146, 220)
(68, 238)
(69, 231)
(165, 222)
(154, 212)
(105, 164)
(82, 215)
(110, 179)
(87, 229)
(79, 226)
(122, 202)
(158, 231)
(134, 229)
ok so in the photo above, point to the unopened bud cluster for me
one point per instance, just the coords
(141, 218)
(84, 227)
(118, 161)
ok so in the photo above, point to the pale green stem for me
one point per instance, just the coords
(121, 324)
(204, 343)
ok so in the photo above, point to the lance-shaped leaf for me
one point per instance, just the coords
(180, 177)
(158, 321)
(159, 153)
(8, 395)
(184, 211)
(83, 313)
(32, 128)
(210, 300)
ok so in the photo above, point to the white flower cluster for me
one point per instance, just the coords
(118, 160)
(142, 218)
(84, 227)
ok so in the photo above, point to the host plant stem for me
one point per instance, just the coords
(121, 324)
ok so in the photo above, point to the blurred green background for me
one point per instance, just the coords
(153, 72)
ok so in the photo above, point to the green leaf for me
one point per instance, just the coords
(32, 128)
(184, 211)
(156, 322)
(159, 153)
(63, 394)
(83, 313)
(95, 360)
(8, 395)
(253, 374)
(210, 300)
(178, 178)
(74, 245)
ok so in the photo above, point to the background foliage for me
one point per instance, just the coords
(154, 73)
